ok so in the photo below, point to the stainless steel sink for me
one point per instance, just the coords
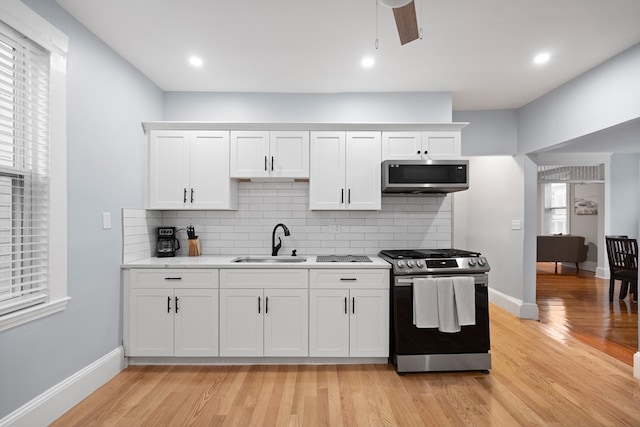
(268, 259)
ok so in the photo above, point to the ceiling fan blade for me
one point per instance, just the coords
(407, 22)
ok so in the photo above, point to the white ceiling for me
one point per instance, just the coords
(480, 50)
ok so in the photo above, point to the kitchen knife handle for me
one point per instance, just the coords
(192, 195)
(258, 305)
(176, 305)
(185, 195)
(168, 304)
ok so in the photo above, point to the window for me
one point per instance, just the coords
(32, 166)
(555, 208)
(24, 161)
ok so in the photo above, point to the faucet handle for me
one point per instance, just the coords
(294, 252)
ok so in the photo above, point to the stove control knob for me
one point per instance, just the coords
(472, 262)
(419, 263)
(410, 264)
(400, 264)
(481, 262)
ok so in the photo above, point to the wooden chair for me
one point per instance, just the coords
(623, 265)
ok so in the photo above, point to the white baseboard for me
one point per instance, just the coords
(514, 306)
(54, 402)
(636, 365)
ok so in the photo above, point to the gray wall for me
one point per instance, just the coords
(625, 194)
(291, 108)
(107, 99)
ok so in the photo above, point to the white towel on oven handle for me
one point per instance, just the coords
(425, 303)
(447, 313)
(465, 293)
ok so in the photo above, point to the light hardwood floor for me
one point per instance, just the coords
(542, 375)
(577, 305)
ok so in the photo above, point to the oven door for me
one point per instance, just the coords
(407, 339)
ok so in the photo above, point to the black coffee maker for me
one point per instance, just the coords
(168, 243)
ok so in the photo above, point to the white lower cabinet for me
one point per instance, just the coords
(162, 318)
(256, 312)
(264, 313)
(349, 313)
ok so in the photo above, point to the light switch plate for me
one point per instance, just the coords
(106, 220)
(515, 224)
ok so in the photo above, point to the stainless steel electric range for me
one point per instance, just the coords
(420, 349)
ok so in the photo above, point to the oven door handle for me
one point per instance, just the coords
(409, 282)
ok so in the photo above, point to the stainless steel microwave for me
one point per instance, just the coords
(424, 176)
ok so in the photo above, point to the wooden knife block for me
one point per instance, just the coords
(194, 247)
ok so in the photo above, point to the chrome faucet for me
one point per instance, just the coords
(275, 248)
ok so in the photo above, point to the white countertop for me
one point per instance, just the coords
(224, 261)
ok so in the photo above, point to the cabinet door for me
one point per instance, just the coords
(168, 169)
(249, 154)
(289, 154)
(241, 320)
(326, 180)
(363, 171)
(196, 322)
(210, 186)
(286, 324)
(329, 323)
(441, 144)
(369, 326)
(401, 145)
(151, 314)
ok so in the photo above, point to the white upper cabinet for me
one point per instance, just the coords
(264, 154)
(421, 145)
(189, 170)
(345, 171)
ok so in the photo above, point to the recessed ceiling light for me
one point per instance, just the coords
(542, 58)
(195, 61)
(367, 62)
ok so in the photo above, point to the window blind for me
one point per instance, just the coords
(24, 171)
(575, 174)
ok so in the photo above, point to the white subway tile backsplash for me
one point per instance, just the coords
(403, 222)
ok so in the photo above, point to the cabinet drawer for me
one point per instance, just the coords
(353, 279)
(174, 278)
(264, 278)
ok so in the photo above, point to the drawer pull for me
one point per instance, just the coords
(258, 305)
(173, 278)
(266, 305)
(168, 304)
(345, 305)
(353, 305)
(348, 279)
(176, 305)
